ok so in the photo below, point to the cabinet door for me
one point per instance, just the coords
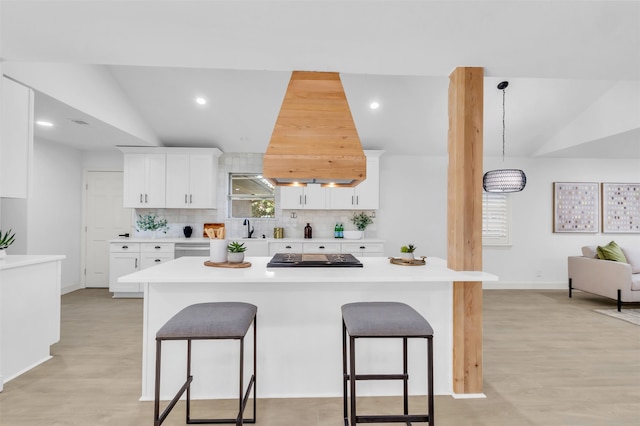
(144, 180)
(177, 181)
(122, 264)
(291, 197)
(155, 180)
(257, 247)
(134, 180)
(367, 194)
(341, 198)
(315, 197)
(150, 259)
(202, 194)
(16, 139)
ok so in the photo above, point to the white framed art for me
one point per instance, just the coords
(621, 208)
(576, 207)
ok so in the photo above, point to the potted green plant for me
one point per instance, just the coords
(235, 252)
(6, 240)
(152, 223)
(361, 221)
(406, 252)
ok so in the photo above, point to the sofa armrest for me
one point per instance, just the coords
(602, 277)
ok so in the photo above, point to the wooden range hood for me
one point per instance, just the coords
(315, 139)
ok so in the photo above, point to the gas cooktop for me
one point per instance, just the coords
(297, 260)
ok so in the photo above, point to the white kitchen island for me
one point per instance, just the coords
(29, 311)
(299, 325)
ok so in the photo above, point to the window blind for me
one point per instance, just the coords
(496, 219)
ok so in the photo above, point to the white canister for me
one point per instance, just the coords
(218, 251)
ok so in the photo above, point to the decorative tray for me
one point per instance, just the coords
(227, 264)
(414, 262)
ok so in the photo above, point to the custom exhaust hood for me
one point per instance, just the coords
(315, 139)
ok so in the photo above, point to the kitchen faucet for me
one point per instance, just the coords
(249, 228)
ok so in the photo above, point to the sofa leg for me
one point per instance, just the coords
(570, 288)
(619, 300)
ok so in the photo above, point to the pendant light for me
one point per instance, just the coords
(504, 180)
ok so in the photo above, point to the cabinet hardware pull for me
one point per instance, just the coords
(288, 247)
(124, 235)
(352, 200)
(136, 264)
(141, 198)
(157, 247)
(185, 198)
(300, 202)
(190, 198)
(305, 200)
(363, 247)
(357, 199)
(125, 247)
(157, 260)
(321, 247)
(145, 198)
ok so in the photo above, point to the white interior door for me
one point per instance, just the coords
(106, 220)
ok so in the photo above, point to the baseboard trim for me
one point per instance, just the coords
(70, 288)
(468, 395)
(525, 285)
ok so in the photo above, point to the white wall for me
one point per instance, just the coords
(414, 201)
(54, 212)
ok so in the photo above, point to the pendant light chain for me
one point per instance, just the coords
(503, 123)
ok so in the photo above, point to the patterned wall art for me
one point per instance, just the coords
(576, 206)
(621, 207)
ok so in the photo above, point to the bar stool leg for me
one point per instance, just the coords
(188, 408)
(156, 404)
(352, 377)
(344, 375)
(405, 380)
(430, 380)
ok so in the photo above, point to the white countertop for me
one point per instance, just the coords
(183, 240)
(375, 269)
(18, 260)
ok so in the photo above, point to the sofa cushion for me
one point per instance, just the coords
(633, 258)
(590, 251)
(635, 282)
(611, 251)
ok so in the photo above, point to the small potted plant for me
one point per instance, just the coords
(361, 221)
(6, 240)
(152, 223)
(406, 252)
(235, 252)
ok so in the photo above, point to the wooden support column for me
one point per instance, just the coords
(464, 222)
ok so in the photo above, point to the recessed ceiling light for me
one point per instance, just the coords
(201, 101)
(374, 105)
(44, 123)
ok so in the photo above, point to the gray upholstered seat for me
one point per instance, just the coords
(216, 320)
(384, 319)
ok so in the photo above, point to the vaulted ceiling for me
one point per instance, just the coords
(573, 68)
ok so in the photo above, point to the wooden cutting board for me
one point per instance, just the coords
(213, 226)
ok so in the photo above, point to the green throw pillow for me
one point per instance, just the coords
(611, 251)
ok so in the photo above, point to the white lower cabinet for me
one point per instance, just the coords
(363, 249)
(284, 248)
(126, 258)
(321, 248)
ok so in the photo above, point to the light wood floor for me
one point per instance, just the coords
(549, 360)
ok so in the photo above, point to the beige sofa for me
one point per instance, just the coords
(615, 280)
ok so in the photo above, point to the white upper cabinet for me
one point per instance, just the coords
(170, 177)
(312, 196)
(191, 180)
(365, 196)
(144, 180)
(16, 140)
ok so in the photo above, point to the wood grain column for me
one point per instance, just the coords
(464, 222)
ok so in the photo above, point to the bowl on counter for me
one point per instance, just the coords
(352, 235)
